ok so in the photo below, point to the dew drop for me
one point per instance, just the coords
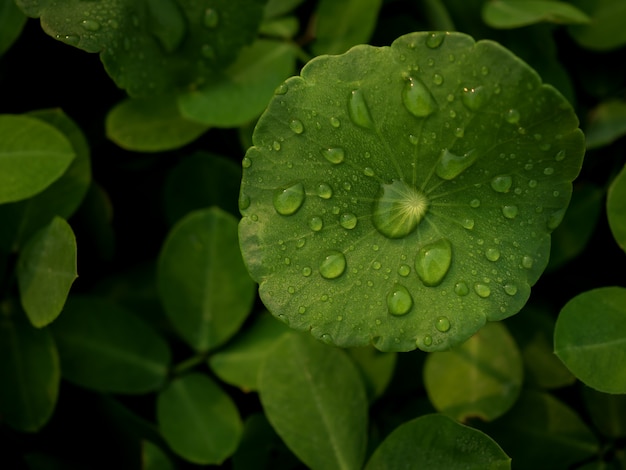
(335, 122)
(211, 18)
(399, 209)
(437, 79)
(367, 171)
(442, 324)
(399, 300)
(90, 25)
(334, 155)
(548, 171)
(376, 265)
(459, 132)
(474, 98)
(502, 183)
(348, 221)
(324, 191)
(461, 289)
(482, 290)
(316, 224)
(296, 126)
(510, 212)
(468, 224)
(560, 156)
(281, 89)
(512, 116)
(404, 270)
(527, 262)
(301, 309)
(246, 162)
(433, 262)
(428, 340)
(492, 254)
(306, 271)
(475, 203)
(287, 201)
(510, 289)
(450, 165)
(333, 265)
(417, 98)
(244, 201)
(276, 145)
(435, 39)
(358, 110)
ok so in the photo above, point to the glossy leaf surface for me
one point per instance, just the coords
(202, 281)
(590, 338)
(46, 270)
(423, 179)
(436, 441)
(314, 398)
(616, 208)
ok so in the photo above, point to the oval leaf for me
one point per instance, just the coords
(590, 338)
(405, 184)
(46, 269)
(481, 378)
(33, 154)
(202, 281)
(517, 13)
(436, 441)
(616, 208)
(198, 420)
(106, 348)
(314, 398)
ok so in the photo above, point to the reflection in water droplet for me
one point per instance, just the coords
(510, 289)
(492, 254)
(306, 271)
(348, 221)
(417, 98)
(324, 191)
(399, 300)
(428, 340)
(474, 98)
(482, 290)
(450, 165)
(442, 324)
(512, 116)
(211, 18)
(435, 39)
(399, 209)
(333, 265)
(433, 262)
(335, 122)
(334, 155)
(404, 270)
(296, 126)
(287, 201)
(316, 224)
(510, 212)
(461, 289)
(468, 224)
(358, 110)
(246, 162)
(502, 183)
(281, 89)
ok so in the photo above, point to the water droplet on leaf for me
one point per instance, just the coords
(435, 39)
(348, 221)
(334, 155)
(502, 183)
(296, 126)
(492, 254)
(333, 265)
(404, 270)
(418, 99)
(450, 165)
(399, 300)
(399, 209)
(461, 289)
(482, 290)
(442, 324)
(433, 262)
(287, 201)
(316, 224)
(474, 98)
(358, 110)
(510, 212)
(324, 191)
(512, 116)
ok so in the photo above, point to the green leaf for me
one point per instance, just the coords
(616, 208)
(46, 270)
(239, 362)
(107, 348)
(153, 47)
(480, 378)
(282, 28)
(314, 398)
(405, 184)
(202, 281)
(241, 92)
(198, 420)
(605, 29)
(376, 369)
(29, 372)
(33, 154)
(542, 432)
(606, 123)
(151, 125)
(201, 180)
(608, 412)
(23, 218)
(518, 13)
(274, 8)
(339, 25)
(153, 458)
(12, 22)
(590, 338)
(436, 441)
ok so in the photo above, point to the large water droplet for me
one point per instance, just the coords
(461, 289)
(358, 110)
(442, 324)
(211, 18)
(474, 98)
(334, 155)
(435, 39)
(492, 254)
(502, 183)
(512, 116)
(316, 223)
(333, 265)
(433, 262)
(399, 300)
(510, 212)
(482, 290)
(399, 209)
(90, 25)
(287, 201)
(324, 191)
(450, 165)
(418, 99)
(348, 221)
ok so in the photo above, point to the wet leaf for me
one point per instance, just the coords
(403, 196)
(616, 208)
(517, 13)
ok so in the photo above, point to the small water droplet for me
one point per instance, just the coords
(291, 289)
(532, 184)
(334, 155)
(461, 289)
(527, 262)
(399, 300)
(324, 191)
(417, 98)
(435, 39)
(281, 89)
(450, 165)
(287, 201)
(246, 162)
(404, 270)
(296, 126)
(413, 139)
(437, 79)
(399, 209)
(475, 203)
(548, 171)
(300, 243)
(468, 224)
(358, 110)
(301, 309)
(90, 25)
(560, 156)
(333, 265)
(512, 116)
(306, 271)
(376, 265)
(346, 185)
(483, 290)
(510, 289)
(459, 132)
(442, 324)
(474, 98)
(348, 221)
(433, 262)
(492, 254)
(510, 212)
(335, 122)
(502, 183)
(211, 18)
(276, 145)
(316, 224)
(367, 171)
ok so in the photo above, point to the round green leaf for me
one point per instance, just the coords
(33, 154)
(405, 195)
(517, 13)
(202, 281)
(436, 441)
(151, 125)
(616, 208)
(590, 338)
(314, 398)
(46, 270)
(481, 378)
(107, 348)
(30, 372)
(198, 420)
